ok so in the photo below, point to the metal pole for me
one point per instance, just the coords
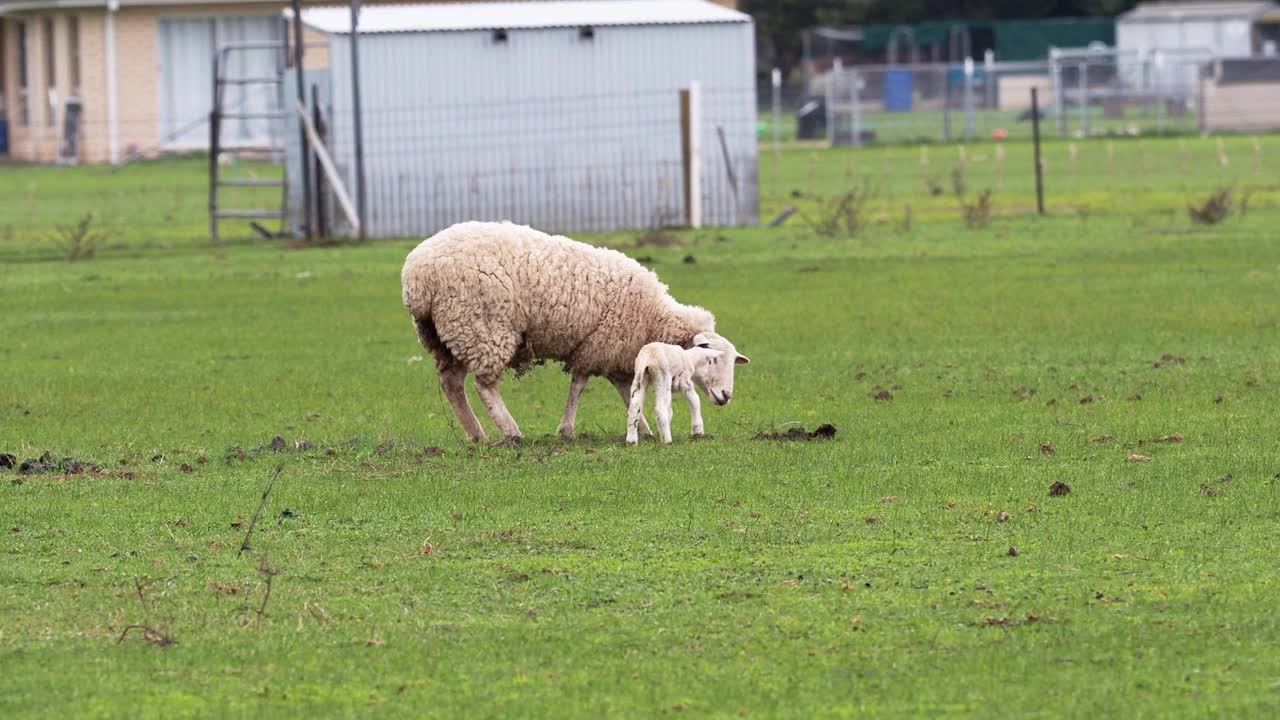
(1055, 82)
(776, 77)
(1035, 138)
(855, 93)
(305, 156)
(355, 109)
(833, 78)
(214, 132)
(317, 119)
(1158, 90)
(946, 102)
(968, 98)
(1083, 81)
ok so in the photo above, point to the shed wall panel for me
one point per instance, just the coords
(547, 128)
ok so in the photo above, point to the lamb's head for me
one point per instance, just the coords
(714, 371)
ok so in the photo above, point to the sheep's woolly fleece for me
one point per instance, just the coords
(498, 295)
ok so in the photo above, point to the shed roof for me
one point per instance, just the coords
(443, 17)
(1192, 11)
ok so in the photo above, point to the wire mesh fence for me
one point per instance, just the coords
(1085, 93)
(1082, 178)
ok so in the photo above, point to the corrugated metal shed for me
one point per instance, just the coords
(1189, 11)
(1224, 29)
(570, 122)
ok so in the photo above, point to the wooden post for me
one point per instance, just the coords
(1035, 138)
(690, 129)
(1000, 167)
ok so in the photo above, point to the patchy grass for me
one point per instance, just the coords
(932, 557)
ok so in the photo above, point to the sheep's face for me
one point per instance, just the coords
(715, 373)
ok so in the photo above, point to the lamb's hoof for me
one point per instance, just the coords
(565, 435)
(700, 436)
(510, 442)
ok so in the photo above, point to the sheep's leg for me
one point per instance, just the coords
(695, 409)
(487, 388)
(451, 382)
(662, 408)
(624, 389)
(635, 413)
(576, 386)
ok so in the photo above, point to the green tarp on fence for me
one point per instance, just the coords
(1014, 39)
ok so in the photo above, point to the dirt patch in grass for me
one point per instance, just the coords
(825, 431)
(47, 464)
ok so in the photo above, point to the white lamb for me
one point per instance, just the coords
(667, 368)
(488, 296)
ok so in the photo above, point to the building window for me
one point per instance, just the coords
(73, 53)
(24, 107)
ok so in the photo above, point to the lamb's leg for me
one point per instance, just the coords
(695, 410)
(487, 388)
(635, 412)
(624, 389)
(451, 382)
(662, 407)
(576, 385)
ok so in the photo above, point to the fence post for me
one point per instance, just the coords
(968, 98)
(1083, 80)
(855, 96)
(988, 79)
(946, 104)
(776, 77)
(1158, 84)
(357, 124)
(1055, 86)
(305, 154)
(1201, 111)
(833, 78)
(690, 142)
(1035, 138)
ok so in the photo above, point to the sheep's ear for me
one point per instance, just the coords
(741, 360)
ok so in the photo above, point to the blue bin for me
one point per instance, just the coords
(4, 136)
(897, 90)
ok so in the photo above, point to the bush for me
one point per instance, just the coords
(978, 213)
(79, 241)
(1214, 209)
(843, 214)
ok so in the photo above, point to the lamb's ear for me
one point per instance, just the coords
(700, 341)
(741, 360)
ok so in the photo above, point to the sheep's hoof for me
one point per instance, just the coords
(565, 435)
(510, 442)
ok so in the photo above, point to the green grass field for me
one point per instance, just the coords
(916, 564)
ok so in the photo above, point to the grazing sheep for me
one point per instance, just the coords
(488, 296)
(667, 368)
